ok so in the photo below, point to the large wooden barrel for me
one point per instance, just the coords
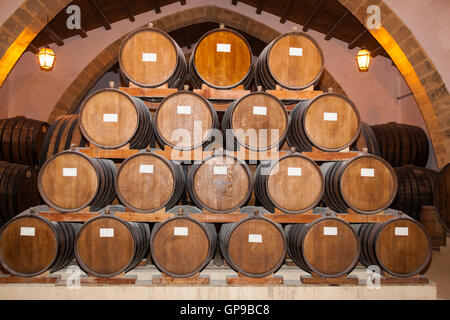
(222, 59)
(21, 140)
(107, 245)
(430, 219)
(257, 121)
(147, 182)
(293, 184)
(366, 184)
(400, 246)
(442, 197)
(63, 132)
(220, 184)
(293, 60)
(149, 58)
(254, 246)
(110, 118)
(181, 246)
(31, 245)
(185, 121)
(402, 144)
(18, 189)
(327, 247)
(329, 122)
(70, 181)
(416, 187)
(368, 140)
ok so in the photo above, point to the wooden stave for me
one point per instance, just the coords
(441, 198)
(432, 222)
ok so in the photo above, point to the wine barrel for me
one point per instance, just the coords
(63, 132)
(149, 57)
(110, 118)
(416, 188)
(329, 122)
(107, 245)
(328, 247)
(254, 246)
(442, 197)
(31, 244)
(293, 184)
(366, 184)
(147, 182)
(185, 121)
(400, 246)
(368, 140)
(293, 60)
(21, 140)
(181, 246)
(402, 144)
(18, 189)
(220, 184)
(222, 59)
(70, 181)
(430, 219)
(257, 121)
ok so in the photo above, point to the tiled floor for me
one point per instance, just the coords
(439, 271)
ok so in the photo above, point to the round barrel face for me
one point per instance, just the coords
(295, 184)
(180, 247)
(108, 118)
(256, 247)
(330, 247)
(368, 184)
(295, 61)
(105, 246)
(259, 121)
(148, 57)
(331, 122)
(184, 120)
(222, 183)
(222, 58)
(145, 182)
(403, 247)
(66, 175)
(442, 196)
(28, 246)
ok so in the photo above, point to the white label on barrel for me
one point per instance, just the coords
(183, 109)
(220, 170)
(401, 231)
(69, 172)
(150, 57)
(297, 52)
(146, 168)
(106, 233)
(297, 172)
(262, 111)
(27, 231)
(367, 172)
(255, 238)
(110, 117)
(330, 116)
(180, 231)
(223, 47)
(330, 231)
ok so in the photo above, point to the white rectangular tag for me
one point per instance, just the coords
(149, 57)
(330, 116)
(110, 117)
(297, 172)
(106, 233)
(146, 168)
(262, 111)
(401, 231)
(27, 231)
(180, 231)
(255, 238)
(298, 52)
(69, 172)
(220, 170)
(223, 47)
(330, 231)
(367, 172)
(183, 109)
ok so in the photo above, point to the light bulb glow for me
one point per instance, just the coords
(363, 59)
(46, 58)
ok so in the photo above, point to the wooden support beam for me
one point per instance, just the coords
(329, 34)
(313, 14)
(54, 35)
(234, 2)
(126, 6)
(157, 7)
(352, 43)
(287, 11)
(33, 48)
(82, 33)
(376, 51)
(260, 6)
(100, 13)
(183, 2)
